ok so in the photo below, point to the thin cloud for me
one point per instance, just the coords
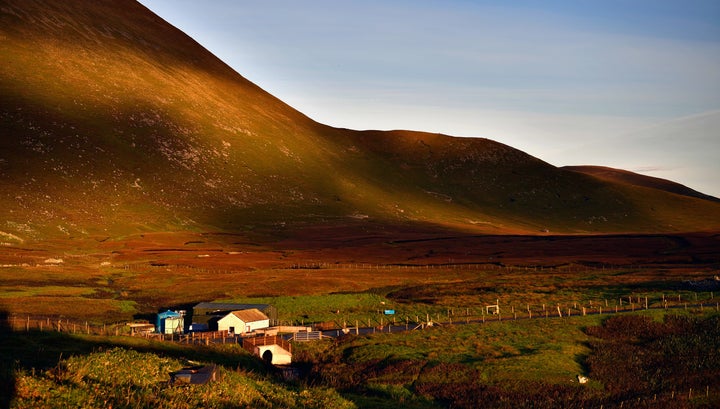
(653, 169)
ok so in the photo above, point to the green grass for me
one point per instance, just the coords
(548, 350)
(321, 308)
(522, 358)
(121, 377)
(49, 291)
(381, 370)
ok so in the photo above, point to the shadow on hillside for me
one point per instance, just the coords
(614, 291)
(7, 375)
(35, 351)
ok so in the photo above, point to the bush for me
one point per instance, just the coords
(638, 358)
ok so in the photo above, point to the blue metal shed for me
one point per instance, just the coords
(169, 322)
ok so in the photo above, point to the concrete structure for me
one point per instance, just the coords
(194, 375)
(273, 350)
(274, 354)
(243, 321)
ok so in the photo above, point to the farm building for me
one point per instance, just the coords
(170, 322)
(141, 328)
(206, 314)
(243, 321)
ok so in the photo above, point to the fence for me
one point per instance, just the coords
(208, 337)
(250, 343)
(503, 312)
(402, 320)
(34, 323)
(307, 336)
(451, 264)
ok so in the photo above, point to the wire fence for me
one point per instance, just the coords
(410, 318)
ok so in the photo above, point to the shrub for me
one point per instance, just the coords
(636, 357)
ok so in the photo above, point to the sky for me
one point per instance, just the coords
(633, 84)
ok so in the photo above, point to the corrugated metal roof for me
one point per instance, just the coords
(250, 315)
(168, 314)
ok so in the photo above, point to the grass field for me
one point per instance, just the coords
(446, 280)
(526, 363)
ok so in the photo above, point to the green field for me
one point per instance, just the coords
(536, 360)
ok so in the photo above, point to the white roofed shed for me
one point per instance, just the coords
(243, 321)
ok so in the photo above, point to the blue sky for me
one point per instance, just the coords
(617, 83)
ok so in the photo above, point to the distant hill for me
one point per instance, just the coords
(686, 146)
(114, 122)
(635, 179)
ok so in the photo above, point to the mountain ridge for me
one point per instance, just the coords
(118, 123)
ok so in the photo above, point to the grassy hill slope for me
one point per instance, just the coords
(634, 179)
(114, 122)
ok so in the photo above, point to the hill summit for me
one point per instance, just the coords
(114, 122)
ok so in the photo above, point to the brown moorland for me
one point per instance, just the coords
(119, 279)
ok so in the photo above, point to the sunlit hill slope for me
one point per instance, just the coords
(114, 122)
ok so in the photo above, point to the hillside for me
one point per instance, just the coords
(114, 123)
(634, 179)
